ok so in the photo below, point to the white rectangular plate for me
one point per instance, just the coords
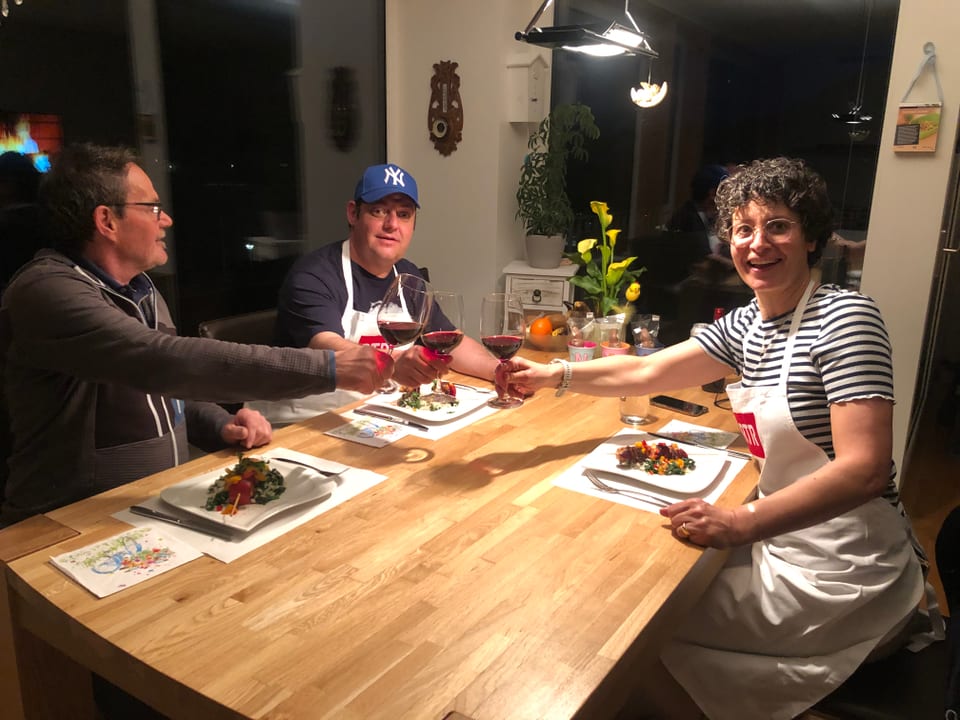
(303, 486)
(469, 401)
(709, 465)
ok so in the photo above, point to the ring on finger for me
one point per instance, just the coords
(682, 530)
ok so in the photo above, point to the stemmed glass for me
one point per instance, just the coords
(403, 313)
(501, 332)
(447, 317)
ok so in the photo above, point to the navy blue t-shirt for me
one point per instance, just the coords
(313, 295)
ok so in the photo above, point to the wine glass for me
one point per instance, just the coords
(501, 332)
(446, 319)
(403, 313)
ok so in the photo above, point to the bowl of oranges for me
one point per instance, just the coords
(548, 332)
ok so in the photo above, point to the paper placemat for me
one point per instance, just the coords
(391, 432)
(573, 479)
(353, 482)
(126, 559)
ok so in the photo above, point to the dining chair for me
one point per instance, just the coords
(253, 328)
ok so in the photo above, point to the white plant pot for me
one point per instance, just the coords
(544, 251)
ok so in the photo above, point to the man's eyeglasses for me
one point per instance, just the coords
(380, 212)
(155, 207)
(776, 229)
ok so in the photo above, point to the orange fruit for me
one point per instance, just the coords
(541, 326)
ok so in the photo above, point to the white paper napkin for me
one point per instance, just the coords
(353, 481)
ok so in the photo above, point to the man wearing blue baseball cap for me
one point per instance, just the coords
(330, 296)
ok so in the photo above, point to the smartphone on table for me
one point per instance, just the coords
(681, 406)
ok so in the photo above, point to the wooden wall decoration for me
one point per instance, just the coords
(343, 108)
(445, 116)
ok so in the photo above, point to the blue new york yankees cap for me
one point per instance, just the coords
(378, 181)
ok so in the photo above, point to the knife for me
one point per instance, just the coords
(391, 418)
(222, 532)
(665, 436)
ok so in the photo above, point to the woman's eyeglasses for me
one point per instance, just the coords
(155, 207)
(777, 229)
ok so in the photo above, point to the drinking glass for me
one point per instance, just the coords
(501, 332)
(403, 313)
(446, 316)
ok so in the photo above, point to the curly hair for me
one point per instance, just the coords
(779, 180)
(83, 176)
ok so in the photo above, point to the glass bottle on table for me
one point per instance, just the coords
(501, 332)
(445, 323)
(403, 313)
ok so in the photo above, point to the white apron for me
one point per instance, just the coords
(358, 327)
(791, 617)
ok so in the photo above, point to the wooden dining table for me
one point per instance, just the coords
(466, 584)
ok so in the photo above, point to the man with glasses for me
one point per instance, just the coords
(99, 388)
(329, 298)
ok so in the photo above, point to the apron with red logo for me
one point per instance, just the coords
(358, 327)
(790, 617)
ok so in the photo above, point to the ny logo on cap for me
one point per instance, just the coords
(395, 174)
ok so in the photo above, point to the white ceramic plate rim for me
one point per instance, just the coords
(710, 464)
(303, 486)
(469, 401)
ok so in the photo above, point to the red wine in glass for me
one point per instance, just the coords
(443, 333)
(501, 332)
(399, 332)
(403, 313)
(502, 347)
(442, 341)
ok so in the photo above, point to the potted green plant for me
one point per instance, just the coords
(542, 200)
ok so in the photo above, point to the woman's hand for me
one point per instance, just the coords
(704, 524)
(526, 376)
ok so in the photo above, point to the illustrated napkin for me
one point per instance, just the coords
(126, 559)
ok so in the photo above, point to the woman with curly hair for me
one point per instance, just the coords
(824, 570)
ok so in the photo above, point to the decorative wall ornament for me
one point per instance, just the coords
(918, 124)
(343, 108)
(445, 116)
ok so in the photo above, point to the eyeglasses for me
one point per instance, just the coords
(155, 207)
(380, 212)
(777, 229)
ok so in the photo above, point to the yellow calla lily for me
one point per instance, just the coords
(603, 212)
(612, 236)
(586, 245)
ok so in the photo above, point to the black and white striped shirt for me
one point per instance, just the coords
(842, 353)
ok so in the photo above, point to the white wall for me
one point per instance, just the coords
(909, 196)
(466, 231)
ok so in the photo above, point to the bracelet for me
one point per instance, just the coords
(567, 375)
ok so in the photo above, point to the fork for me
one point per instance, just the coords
(471, 387)
(638, 494)
(326, 473)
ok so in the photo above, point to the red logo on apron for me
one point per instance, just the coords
(376, 341)
(748, 428)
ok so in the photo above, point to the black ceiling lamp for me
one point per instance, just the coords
(600, 40)
(856, 121)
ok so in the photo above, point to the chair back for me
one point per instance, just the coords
(254, 328)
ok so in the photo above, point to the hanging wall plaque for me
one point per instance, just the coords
(343, 108)
(445, 116)
(918, 124)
